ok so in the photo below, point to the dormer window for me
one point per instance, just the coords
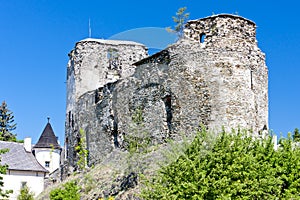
(47, 163)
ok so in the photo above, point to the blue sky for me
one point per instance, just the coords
(37, 35)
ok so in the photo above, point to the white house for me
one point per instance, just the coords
(23, 168)
(30, 166)
(47, 150)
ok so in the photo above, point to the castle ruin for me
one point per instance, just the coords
(215, 75)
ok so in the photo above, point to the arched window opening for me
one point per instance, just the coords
(202, 37)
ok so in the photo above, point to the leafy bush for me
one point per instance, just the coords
(70, 191)
(234, 166)
(25, 194)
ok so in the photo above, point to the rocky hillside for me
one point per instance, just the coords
(121, 174)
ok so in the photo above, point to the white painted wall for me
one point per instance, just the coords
(13, 181)
(51, 155)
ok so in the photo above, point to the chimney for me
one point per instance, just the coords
(275, 142)
(27, 144)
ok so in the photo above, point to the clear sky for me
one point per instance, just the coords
(37, 35)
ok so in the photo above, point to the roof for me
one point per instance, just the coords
(113, 42)
(47, 139)
(18, 159)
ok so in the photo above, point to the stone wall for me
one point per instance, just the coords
(234, 67)
(95, 64)
(215, 75)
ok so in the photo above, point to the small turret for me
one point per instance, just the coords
(47, 150)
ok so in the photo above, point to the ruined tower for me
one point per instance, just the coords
(95, 64)
(215, 75)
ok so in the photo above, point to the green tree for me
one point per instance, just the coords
(25, 194)
(3, 168)
(234, 166)
(7, 124)
(180, 19)
(296, 135)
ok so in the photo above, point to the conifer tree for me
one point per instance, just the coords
(25, 194)
(7, 124)
(4, 194)
(296, 135)
(180, 19)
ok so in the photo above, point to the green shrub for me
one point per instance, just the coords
(234, 166)
(70, 191)
(25, 194)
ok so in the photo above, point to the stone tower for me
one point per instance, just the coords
(95, 65)
(232, 66)
(215, 75)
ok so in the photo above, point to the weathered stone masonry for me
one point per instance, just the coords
(94, 67)
(215, 75)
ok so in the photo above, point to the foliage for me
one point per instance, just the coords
(296, 135)
(139, 140)
(234, 166)
(180, 19)
(7, 124)
(89, 183)
(25, 194)
(3, 168)
(82, 151)
(70, 191)
(137, 116)
(138, 143)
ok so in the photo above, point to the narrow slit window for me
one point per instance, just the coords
(251, 79)
(168, 107)
(202, 37)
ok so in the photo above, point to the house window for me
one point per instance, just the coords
(47, 163)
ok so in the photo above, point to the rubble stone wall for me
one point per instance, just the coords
(215, 75)
(93, 65)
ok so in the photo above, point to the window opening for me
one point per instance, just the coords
(69, 115)
(47, 163)
(202, 37)
(73, 121)
(168, 107)
(251, 79)
(113, 58)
